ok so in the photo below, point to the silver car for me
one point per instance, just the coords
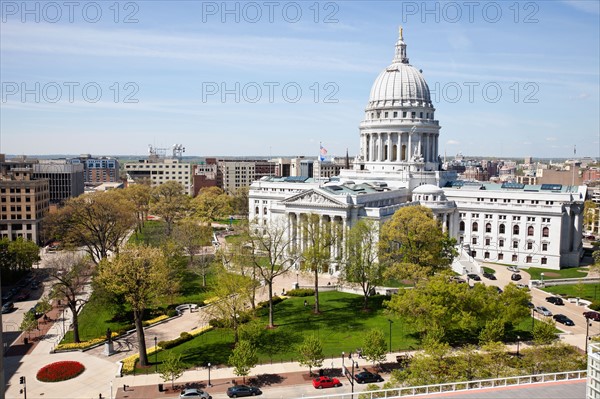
(543, 311)
(193, 393)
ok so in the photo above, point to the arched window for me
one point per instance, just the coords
(475, 226)
(530, 231)
(501, 229)
(515, 229)
(488, 227)
(394, 152)
(461, 226)
(265, 210)
(545, 232)
(256, 211)
(403, 154)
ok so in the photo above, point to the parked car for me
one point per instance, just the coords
(7, 307)
(367, 376)
(194, 393)
(523, 286)
(238, 391)
(489, 276)
(555, 300)
(500, 290)
(326, 382)
(514, 269)
(543, 311)
(561, 318)
(515, 277)
(457, 279)
(592, 315)
(474, 277)
(22, 296)
(530, 305)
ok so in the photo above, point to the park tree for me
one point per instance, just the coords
(455, 308)
(170, 203)
(17, 258)
(99, 222)
(139, 274)
(374, 347)
(553, 358)
(140, 196)
(172, 368)
(240, 201)
(233, 291)
(29, 323)
(544, 332)
(310, 353)
(71, 272)
(591, 215)
(496, 359)
(319, 237)
(272, 255)
(492, 332)
(212, 203)
(361, 264)
(44, 306)
(413, 244)
(243, 359)
(192, 237)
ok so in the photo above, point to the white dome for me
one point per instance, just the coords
(400, 84)
(428, 189)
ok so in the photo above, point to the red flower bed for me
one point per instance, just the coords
(60, 371)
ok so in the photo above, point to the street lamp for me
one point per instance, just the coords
(542, 277)
(532, 319)
(518, 342)
(587, 332)
(297, 274)
(209, 384)
(343, 356)
(391, 322)
(156, 353)
(352, 377)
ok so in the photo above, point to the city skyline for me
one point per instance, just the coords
(197, 82)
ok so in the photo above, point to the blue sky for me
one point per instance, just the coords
(178, 67)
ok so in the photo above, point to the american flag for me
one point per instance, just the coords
(323, 152)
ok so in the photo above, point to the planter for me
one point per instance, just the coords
(60, 371)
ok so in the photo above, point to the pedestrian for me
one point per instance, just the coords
(283, 291)
(305, 303)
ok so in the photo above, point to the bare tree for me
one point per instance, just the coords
(272, 255)
(71, 272)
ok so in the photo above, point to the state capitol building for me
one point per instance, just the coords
(398, 165)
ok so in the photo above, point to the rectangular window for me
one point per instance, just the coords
(515, 244)
(500, 256)
(529, 245)
(500, 243)
(514, 258)
(487, 241)
(474, 241)
(528, 259)
(544, 247)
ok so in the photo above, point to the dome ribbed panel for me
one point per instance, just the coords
(399, 85)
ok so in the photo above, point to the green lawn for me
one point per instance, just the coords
(340, 327)
(488, 270)
(573, 272)
(96, 317)
(589, 291)
(153, 233)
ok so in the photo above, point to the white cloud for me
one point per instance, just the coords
(452, 142)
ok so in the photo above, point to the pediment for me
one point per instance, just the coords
(314, 198)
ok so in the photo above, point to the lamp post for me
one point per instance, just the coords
(297, 281)
(343, 356)
(518, 342)
(532, 319)
(209, 384)
(587, 332)
(542, 277)
(391, 322)
(352, 378)
(156, 353)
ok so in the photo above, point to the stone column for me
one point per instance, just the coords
(409, 150)
(444, 222)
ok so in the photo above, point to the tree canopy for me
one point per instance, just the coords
(361, 264)
(170, 202)
(413, 244)
(141, 275)
(457, 309)
(99, 222)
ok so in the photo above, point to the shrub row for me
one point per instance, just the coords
(595, 305)
(84, 344)
(301, 292)
(183, 337)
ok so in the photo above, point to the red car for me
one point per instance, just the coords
(326, 382)
(592, 315)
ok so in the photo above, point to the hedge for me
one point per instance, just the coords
(301, 292)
